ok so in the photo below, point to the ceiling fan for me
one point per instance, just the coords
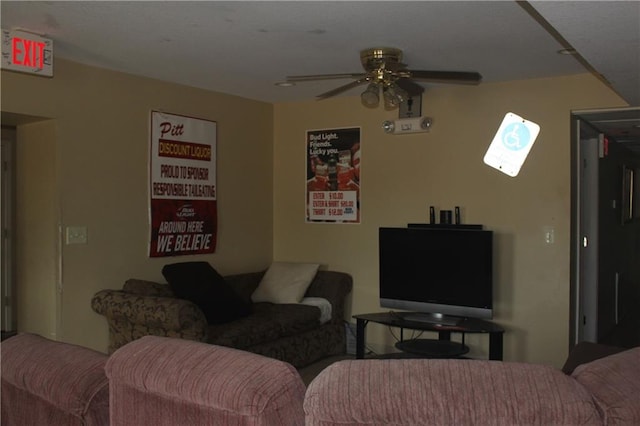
(384, 71)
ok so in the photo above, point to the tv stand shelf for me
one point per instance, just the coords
(430, 348)
(465, 325)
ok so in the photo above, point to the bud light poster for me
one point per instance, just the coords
(333, 175)
(183, 207)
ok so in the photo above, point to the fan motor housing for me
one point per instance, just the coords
(373, 59)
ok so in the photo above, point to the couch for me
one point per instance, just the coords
(475, 392)
(52, 383)
(290, 332)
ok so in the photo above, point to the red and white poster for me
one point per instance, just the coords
(182, 171)
(333, 175)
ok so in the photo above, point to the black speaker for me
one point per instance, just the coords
(445, 217)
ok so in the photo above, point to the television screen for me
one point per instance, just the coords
(441, 271)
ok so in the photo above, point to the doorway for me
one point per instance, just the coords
(605, 251)
(34, 270)
(7, 251)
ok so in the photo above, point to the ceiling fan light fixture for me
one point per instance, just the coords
(401, 94)
(384, 70)
(393, 95)
(371, 96)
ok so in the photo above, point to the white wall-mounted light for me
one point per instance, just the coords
(407, 125)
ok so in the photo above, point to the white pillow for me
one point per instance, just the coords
(285, 282)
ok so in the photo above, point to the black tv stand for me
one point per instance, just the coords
(465, 325)
(431, 348)
(445, 226)
(436, 319)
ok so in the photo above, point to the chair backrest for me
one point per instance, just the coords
(406, 392)
(52, 383)
(165, 381)
(614, 382)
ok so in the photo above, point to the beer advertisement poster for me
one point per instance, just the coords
(333, 175)
(182, 171)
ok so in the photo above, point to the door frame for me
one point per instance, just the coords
(584, 231)
(7, 224)
(585, 205)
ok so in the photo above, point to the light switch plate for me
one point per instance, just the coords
(76, 235)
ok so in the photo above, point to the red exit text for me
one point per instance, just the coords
(27, 53)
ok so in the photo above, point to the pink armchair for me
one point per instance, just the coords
(52, 383)
(475, 392)
(167, 381)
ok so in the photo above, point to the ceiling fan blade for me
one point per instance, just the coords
(298, 78)
(444, 76)
(342, 88)
(411, 87)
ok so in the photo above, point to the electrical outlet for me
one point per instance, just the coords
(76, 235)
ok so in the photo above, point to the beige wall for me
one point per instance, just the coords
(37, 214)
(99, 153)
(404, 174)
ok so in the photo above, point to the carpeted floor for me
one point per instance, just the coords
(309, 372)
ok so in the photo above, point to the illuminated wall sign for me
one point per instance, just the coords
(26, 52)
(511, 144)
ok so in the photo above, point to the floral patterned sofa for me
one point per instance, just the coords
(290, 332)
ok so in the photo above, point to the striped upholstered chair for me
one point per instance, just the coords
(163, 381)
(52, 383)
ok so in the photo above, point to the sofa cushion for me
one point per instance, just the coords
(285, 282)
(614, 383)
(201, 284)
(268, 322)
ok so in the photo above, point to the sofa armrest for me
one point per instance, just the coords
(167, 316)
(147, 288)
(166, 312)
(333, 286)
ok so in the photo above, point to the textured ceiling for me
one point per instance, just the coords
(244, 48)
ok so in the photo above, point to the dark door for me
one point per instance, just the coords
(605, 245)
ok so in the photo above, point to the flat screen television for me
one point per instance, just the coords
(440, 274)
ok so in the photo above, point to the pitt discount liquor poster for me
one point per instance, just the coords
(183, 207)
(333, 175)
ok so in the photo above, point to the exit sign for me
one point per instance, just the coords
(26, 52)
